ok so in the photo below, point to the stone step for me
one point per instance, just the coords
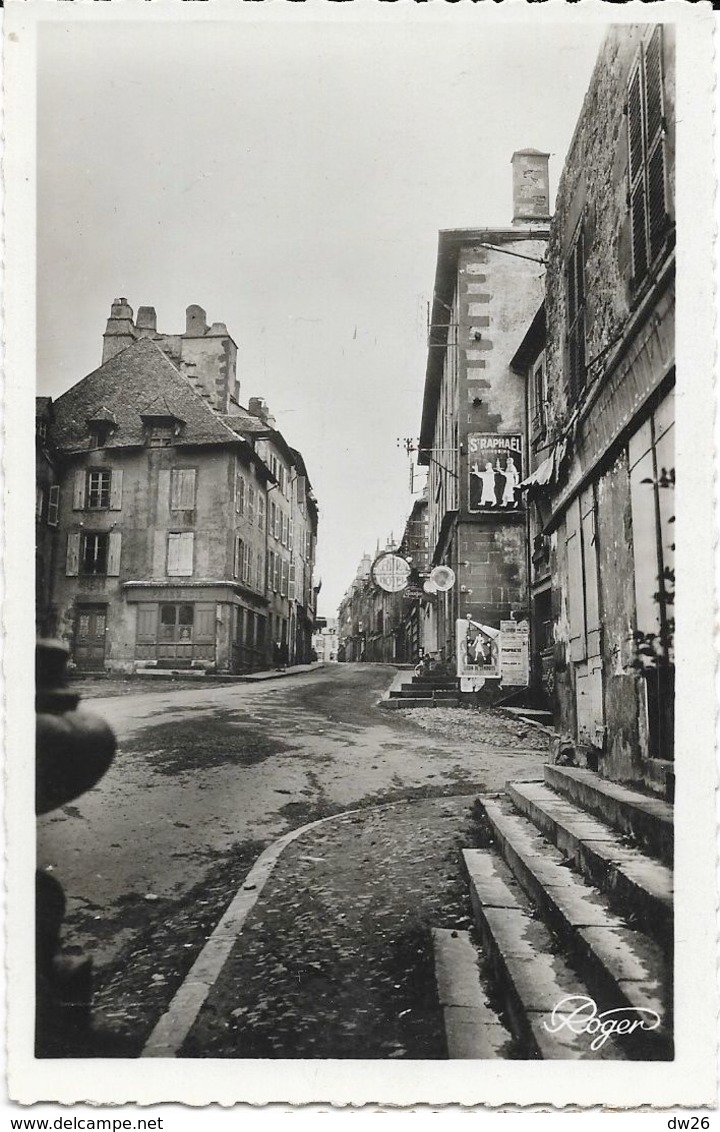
(648, 820)
(622, 966)
(434, 682)
(445, 697)
(407, 702)
(472, 1028)
(537, 715)
(639, 887)
(532, 978)
(416, 693)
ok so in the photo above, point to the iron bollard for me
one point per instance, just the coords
(73, 750)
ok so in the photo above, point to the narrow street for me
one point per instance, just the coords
(206, 777)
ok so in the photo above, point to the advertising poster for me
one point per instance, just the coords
(495, 471)
(478, 650)
(515, 653)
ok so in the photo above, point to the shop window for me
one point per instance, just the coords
(177, 623)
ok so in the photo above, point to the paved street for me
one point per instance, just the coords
(206, 777)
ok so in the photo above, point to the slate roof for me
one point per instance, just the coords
(127, 385)
(242, 421)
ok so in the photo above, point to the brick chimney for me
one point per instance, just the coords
(120, 329)
(531, 186)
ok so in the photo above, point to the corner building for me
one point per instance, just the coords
(163, 508)
(488, 284)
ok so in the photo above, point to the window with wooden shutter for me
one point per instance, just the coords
(79, 490)
(646, 148)
(276, 574)
(261, 511)
(147, 617)
(113, 555)
(575, 595)
(291, 582)
(182, 489)
(116, 480)
(72, 560)
(205, 621)
(180, 555)
(270, 562)
(575, 299)
(53, 505)
(240, 493)
(251, 504)
(291, 534)
(284, 579)
(239, 554)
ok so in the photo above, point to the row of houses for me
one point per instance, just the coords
(547, 422)
(175, 527)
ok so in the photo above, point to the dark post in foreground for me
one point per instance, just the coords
(73, 751)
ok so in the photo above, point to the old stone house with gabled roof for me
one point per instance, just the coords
(165, 483)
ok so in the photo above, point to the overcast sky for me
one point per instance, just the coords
(290, 179)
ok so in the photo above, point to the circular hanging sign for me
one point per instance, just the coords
(429, 586)
(390, 572)
(443, 577)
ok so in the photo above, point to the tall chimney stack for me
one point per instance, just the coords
(531, 186)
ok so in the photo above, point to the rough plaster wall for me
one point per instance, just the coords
(594, 183)
(565, 713)
(617, 609)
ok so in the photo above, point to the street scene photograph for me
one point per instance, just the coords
(355, 539)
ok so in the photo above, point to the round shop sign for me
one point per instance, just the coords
(390, 572)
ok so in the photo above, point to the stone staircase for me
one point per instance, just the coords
(425, 691)
(571, 890)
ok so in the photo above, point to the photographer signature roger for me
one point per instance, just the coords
(579, 1014)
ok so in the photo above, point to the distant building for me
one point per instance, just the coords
(184, 519)
(488, 284)
(325, 640)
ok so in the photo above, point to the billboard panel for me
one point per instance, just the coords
(495, 469)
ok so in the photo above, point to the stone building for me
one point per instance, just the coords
(369, 618)
(167, 487)
(488, 285)
(602, 385)
(47, 494)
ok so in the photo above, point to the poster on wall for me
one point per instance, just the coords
(515, 653)
(495, 471)
(478, 650)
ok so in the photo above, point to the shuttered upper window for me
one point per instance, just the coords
(180, 555)
(182, 489)
(575, 300)
(646, 148)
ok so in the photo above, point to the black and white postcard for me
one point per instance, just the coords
(367, 630)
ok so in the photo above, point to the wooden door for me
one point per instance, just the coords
(90, 628)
